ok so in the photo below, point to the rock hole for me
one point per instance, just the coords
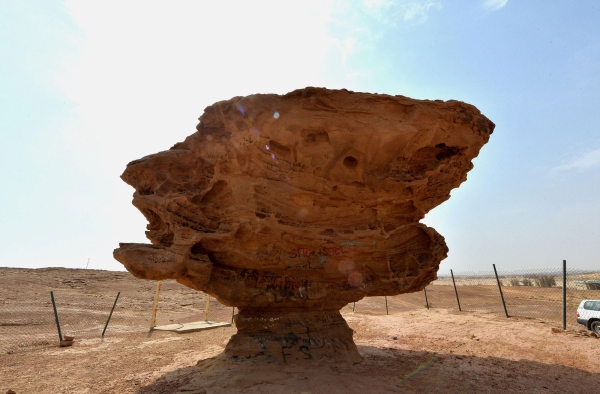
(350, 162)
(198, 249)
(315, 137)
(279, 149)
(215, 192)
(446, 151)
(146, 191)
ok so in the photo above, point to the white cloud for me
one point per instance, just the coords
(391, 12)
(584, 162)
(494, 5)
(419, 10)
(356, 29)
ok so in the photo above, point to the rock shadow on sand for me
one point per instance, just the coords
(382, 370)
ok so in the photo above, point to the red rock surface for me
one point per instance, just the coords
(293, 206)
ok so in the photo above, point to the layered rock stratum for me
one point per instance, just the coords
(290, 207)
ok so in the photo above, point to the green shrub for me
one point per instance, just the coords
(515, 282)
(545, 281)
(527, 282)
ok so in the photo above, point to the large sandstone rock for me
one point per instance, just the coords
(289, 207)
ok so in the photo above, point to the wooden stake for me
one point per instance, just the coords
(153, 322)
(207, 306)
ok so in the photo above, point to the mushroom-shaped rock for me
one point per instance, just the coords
(290, 207)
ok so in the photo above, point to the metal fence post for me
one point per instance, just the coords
(500, 288)
(387, 311)
(426, 301)
(353, 306)
(111, 312)
(564, 295)
(455, 291)
(60, 337)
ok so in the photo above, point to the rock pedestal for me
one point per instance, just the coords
(292, 336)
(290, 207)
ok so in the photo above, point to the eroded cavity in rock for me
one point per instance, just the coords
(290, 207)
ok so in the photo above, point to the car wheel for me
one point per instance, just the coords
(596, 327)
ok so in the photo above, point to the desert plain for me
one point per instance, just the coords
(411, 350)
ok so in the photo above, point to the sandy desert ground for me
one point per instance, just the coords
(409, 351)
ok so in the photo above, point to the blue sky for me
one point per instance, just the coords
(87, 87)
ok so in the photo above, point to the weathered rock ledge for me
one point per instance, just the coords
(292, 206)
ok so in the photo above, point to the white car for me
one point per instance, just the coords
(588, 314)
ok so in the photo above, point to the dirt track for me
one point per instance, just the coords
(458, 352)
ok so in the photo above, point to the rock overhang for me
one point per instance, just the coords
(306, 201)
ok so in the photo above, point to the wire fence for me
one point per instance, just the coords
(84, 305)
(28, 323)
(536, 294)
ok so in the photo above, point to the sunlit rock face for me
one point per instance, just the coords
(289, 207)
